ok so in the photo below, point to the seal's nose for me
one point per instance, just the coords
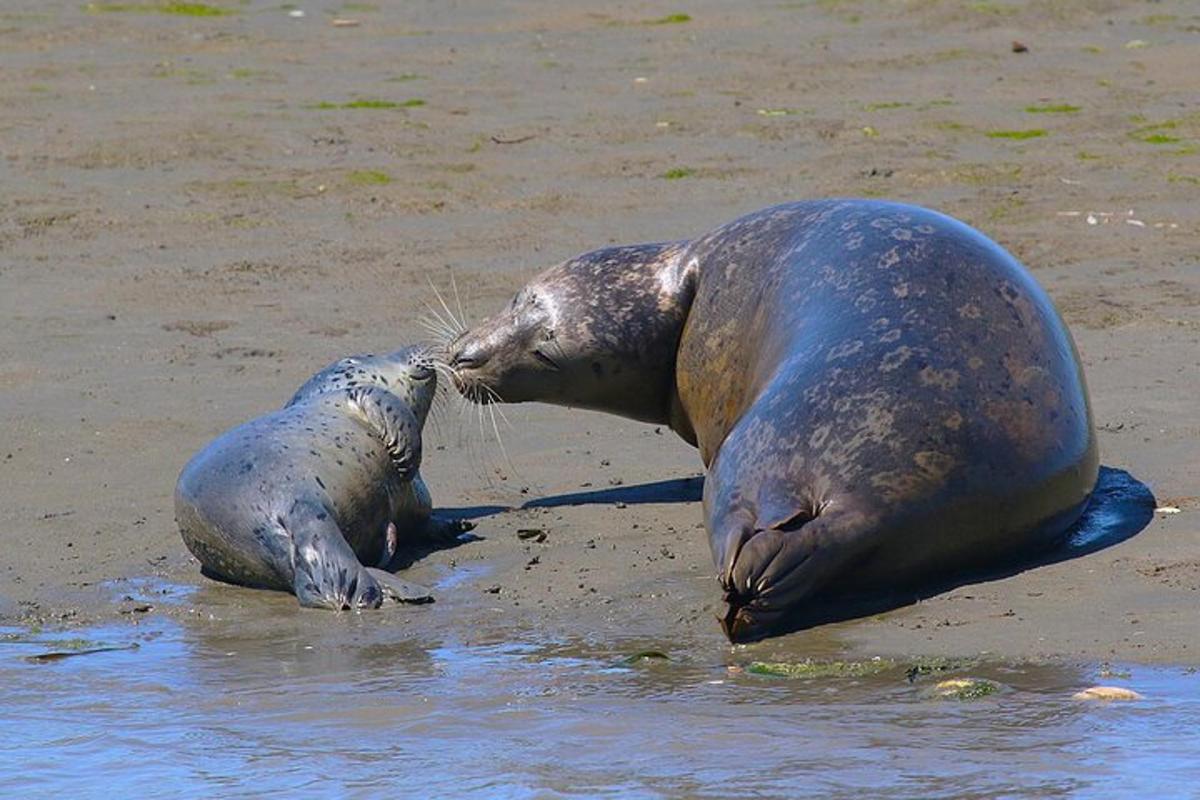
(468, 356)
(422, 371)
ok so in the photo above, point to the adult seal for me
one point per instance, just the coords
(883, 398)
(302, 498)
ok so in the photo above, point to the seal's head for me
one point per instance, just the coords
(407, 373)
(599, 331)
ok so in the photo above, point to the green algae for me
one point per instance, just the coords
(368, 177)
(326, 105)
(669, 19)
(1062, 108)
(1033, 133)
(177, 9)
(816, 670)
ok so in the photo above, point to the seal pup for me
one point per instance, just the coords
(883, 398)
(301, 498)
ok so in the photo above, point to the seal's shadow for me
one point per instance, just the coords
(1121, 507)
(447, 532)
(679, 490)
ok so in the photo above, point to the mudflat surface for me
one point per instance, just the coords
(198, 212)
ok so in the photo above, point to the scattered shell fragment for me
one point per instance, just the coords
(296, 13)
(1167, 510)
(1107, 693)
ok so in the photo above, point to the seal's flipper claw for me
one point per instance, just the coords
(400, 590)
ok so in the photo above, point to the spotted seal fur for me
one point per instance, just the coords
(301, 498)
(882, 397)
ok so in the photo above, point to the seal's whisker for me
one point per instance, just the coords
(437, 314)
(440, 336)
(462, 315)
(484, 460)
(477, 448)
(476, 456)
(431, 320)
(458, 323)
(444, 396)
(447, 328)
(495, 404)
(499, 439)
(441, 399)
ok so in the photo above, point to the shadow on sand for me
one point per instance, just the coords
(679, 490)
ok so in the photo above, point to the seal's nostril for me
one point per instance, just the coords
(468, 359)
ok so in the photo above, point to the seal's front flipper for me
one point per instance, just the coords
(446, 530)
(390, 419)
(400, 590)
(326, 573)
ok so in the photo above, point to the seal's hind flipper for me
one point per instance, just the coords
(326, 573)
(400, 590)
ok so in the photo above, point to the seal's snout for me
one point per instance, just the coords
(422, 370)
(468, 352)
(468, 359)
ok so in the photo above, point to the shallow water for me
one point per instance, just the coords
(353, 706)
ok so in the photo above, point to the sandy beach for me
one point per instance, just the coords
(200, 211)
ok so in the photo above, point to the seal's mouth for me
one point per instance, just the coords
(469, 384)
(475, 391)
(422, 371)
(465, 360)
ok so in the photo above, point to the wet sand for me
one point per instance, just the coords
(199, 212)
